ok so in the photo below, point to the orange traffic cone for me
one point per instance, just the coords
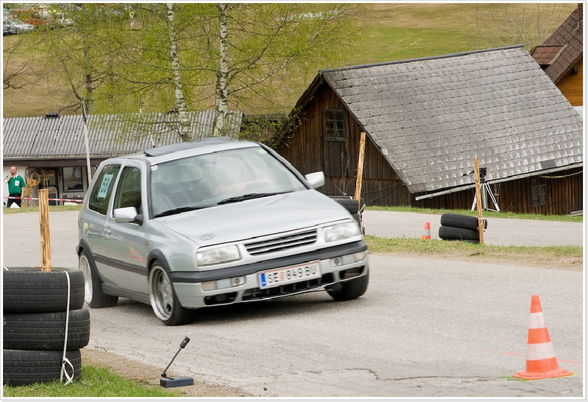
(541, 360)
(427, 235)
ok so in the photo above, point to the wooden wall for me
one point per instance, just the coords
(309, 152)
(554, 194)
(571, 86)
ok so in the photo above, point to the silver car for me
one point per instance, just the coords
(211, 223)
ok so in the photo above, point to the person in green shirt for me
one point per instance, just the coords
(15, 185)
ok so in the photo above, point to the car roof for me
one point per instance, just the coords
(186, 149)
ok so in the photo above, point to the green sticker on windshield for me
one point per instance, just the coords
(104, 185)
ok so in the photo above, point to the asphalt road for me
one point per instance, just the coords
(425, 328)
(500, 232)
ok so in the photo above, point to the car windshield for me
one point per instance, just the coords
(223, 177)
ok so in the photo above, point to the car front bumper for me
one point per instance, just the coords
(337, 264)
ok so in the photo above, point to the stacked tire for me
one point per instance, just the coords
(460, 227)
(352, 206)
(35, 305)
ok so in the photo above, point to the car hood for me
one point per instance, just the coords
(257, 217)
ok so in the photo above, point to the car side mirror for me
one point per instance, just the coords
(127, 215)
(316, 179)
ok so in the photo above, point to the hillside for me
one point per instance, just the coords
(386, 32)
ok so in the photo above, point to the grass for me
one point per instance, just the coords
(565, 255)
(488, 214)
(57, 208)
(95, 382)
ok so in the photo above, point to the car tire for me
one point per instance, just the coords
(28, 290)
(163, 299)
(93, 294)
(349, 290)
(46, 331)
(452, 233)
(22, 367)
(461, 221)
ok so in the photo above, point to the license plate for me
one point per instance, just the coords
(283, 276)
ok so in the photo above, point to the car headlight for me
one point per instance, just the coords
(218, 255)
(341, 231)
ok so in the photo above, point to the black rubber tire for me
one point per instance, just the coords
(45, 331)
(28, 290)
(22, 367)
(452, 233)
(461, 221)
(349, 290)
(351, 205)
(98, 299)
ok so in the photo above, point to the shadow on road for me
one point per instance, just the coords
(313, 303)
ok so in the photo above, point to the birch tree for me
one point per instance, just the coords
(257, 42)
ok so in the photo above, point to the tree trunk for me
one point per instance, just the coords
(222, 75)
(185, 131)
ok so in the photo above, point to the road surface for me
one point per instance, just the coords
(425, 328)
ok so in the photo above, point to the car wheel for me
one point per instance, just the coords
(164, 301)
(349, 290)
(93, 294)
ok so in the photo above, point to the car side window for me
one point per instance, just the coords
(103, 189)
(128, 193)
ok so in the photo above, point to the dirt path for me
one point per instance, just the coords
(149, 375)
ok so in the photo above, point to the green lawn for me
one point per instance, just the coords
(489, 214)
(95, 382)
(565, 255)
(385, 32)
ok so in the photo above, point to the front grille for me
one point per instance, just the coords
(281, 243)
(258, 294)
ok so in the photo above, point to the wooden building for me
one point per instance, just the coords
(561, 57)
(426, 119)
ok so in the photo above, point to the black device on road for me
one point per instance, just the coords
(169, 382)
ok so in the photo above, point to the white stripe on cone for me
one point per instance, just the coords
(540, 351)
(536, 321)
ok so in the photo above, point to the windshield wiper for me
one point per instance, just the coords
(250, 196)
(179, 210)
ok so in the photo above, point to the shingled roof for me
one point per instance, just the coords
(109, 134)
(430, 117)
(564, 45)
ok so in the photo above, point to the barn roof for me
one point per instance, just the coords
(563, 49)
(430, 117)
(51, 137)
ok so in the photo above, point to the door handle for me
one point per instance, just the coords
(107, 231)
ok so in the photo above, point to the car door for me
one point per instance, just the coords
(125, 242)
(95, 216)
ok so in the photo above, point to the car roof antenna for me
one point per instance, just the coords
(169, 382)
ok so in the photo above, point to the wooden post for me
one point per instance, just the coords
(45, 235)
(359, 177)
(479, 200)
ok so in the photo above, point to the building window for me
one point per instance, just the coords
(72, 179)
(538, 192)
(335, 128)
